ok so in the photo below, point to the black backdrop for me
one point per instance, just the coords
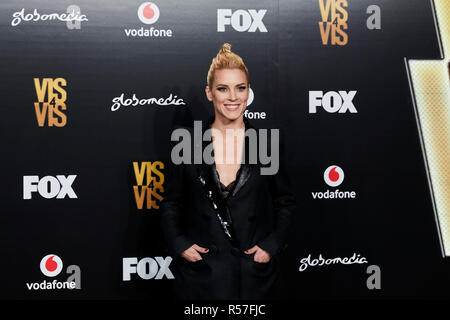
(390, 222)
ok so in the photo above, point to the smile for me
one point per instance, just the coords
(232, 106)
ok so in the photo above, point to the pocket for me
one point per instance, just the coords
(200, 266)
(197, 264)
(261, 265)
(263, 268)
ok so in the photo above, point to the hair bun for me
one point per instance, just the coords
(226, 47)
(225, 59)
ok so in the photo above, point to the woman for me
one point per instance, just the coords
(225, 222)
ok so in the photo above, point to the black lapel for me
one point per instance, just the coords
(246, 168)
(207, 172)
(243, 175)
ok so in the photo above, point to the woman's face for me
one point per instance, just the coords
(229, 93)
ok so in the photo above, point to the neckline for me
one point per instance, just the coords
(227, 186)
(232, 182)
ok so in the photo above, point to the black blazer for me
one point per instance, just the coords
(261, 209)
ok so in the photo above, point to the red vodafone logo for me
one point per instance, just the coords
(51, 265)
(333, 176)
(148, 13)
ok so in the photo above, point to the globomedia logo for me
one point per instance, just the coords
(148, 13)
(72, 17)
(253, 114)
(122, 101)
(333, 176)
(51, 266)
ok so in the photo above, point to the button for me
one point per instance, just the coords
(236, 252)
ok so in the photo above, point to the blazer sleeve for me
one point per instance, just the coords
(171, 209)
(284, 204)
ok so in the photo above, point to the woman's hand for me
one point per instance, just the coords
(192, 253)
(261, 256)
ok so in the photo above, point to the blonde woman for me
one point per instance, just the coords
(226, 223)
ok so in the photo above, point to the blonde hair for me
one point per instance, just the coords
(225, 59)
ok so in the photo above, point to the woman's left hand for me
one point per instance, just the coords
(261, 256)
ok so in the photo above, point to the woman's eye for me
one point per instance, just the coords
(222, 89)
(242, 88)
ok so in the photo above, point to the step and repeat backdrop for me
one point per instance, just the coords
(91, 91)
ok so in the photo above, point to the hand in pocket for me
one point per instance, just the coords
(192, 254)
(261, 256)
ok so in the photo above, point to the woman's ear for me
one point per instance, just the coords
(208, 93)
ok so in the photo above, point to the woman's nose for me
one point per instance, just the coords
(232, 95)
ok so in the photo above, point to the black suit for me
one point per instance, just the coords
(261, 208)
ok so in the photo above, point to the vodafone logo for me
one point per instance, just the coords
(253, 114)
(51, 265)
(333, 176)
(251, 96)
(148, 13)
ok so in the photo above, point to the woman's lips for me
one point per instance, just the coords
(232, 107)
